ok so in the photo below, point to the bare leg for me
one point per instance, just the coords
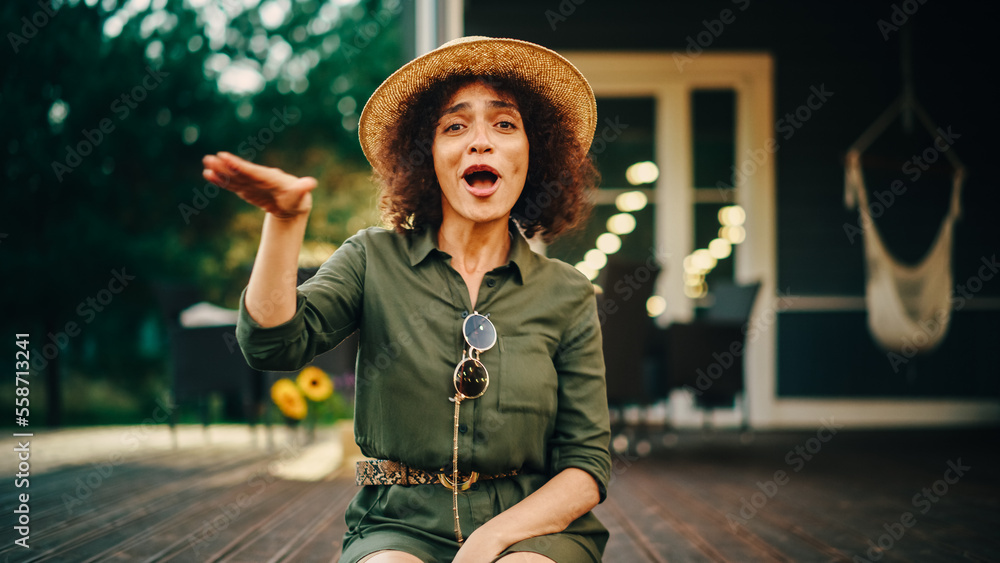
(389, 556)
(524, 557)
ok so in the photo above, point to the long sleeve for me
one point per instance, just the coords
(582, 429)
(328, 309)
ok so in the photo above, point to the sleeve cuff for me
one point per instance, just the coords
(266, 348)
(599, 473)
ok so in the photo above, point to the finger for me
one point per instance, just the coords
(242, 166)
(219, 167)
(213, 161)
(306, 183)
(215, 178)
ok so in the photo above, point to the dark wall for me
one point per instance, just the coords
(842, 48)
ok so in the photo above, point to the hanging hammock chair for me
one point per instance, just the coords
(909, 306)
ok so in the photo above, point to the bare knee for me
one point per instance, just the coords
(524, 557)
(389, 556)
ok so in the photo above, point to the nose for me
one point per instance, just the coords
(480, 142)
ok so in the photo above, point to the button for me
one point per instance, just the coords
(475, 486)
(465, 314)
(490, 282)
(463, 428)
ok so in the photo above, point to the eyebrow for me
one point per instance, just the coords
(492, 104)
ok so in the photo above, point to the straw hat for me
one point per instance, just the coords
(545, 70)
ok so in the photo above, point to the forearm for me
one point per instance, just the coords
(549, 510)
(270, 296)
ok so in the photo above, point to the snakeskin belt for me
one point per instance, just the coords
(385, 472)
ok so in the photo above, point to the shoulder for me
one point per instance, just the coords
(377, 240)
(571, 282)
(373, 235)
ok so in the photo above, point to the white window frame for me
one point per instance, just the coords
(669, 78)
(670, 82)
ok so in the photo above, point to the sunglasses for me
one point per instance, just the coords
(471, 377)
(471, 380)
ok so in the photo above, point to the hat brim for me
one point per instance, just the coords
(546, 71)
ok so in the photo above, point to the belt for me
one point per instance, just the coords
(385, 472)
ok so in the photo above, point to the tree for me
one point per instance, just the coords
(115, 105)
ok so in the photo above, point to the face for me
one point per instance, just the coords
(480, 155)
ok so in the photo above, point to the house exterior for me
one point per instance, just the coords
(753, 104)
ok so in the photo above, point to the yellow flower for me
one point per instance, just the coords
(315, 384)
(289, 399)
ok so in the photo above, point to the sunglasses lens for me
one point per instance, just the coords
(471, 378)
(479, 332)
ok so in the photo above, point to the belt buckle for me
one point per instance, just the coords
(447, 482)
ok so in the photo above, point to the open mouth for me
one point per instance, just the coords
(481, 179)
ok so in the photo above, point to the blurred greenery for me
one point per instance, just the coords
(108, 108)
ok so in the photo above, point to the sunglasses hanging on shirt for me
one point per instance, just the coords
(471, 380)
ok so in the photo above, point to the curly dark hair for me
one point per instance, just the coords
(556, 195)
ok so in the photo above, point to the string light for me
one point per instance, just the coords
(595, 259)
(586, 270)
(609, 243)
(655, 306)
(631, 201)
(734, 234)
(621, 223)
(732, 215)
(720, 248)
(703, 260)
(644, 172)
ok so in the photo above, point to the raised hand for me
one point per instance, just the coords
(271, 189)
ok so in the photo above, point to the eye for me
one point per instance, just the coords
(452, 127)
(506, 125)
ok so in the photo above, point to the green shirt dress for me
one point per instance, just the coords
(545, 408)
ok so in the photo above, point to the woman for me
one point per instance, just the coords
(480, 376)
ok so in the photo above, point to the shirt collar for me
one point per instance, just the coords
(421, 245)
(522, 257)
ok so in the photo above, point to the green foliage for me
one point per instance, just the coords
(101, 141)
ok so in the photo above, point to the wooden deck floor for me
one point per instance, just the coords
(781, 497)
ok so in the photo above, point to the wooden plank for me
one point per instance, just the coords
(325, 534)
(324, 542)
(699, 521)
(286, 528)
(671, 506)
(97, 529)
(626, 542)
